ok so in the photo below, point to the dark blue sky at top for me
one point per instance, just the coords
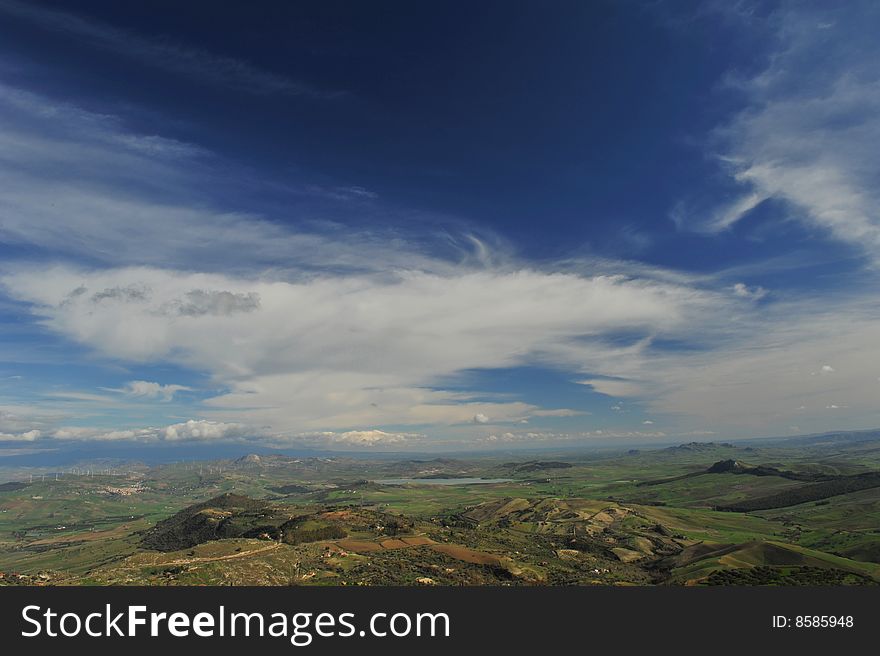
(567, 129)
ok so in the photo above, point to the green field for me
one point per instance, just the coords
(652, 517)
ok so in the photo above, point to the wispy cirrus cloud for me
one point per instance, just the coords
(114, 202)
(197, 64)
(344, 336)
(808, 134)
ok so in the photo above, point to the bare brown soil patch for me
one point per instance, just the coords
(467, 555)
(363, 546)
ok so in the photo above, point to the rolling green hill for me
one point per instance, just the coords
(806, 515)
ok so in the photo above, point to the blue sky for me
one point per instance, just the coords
(437, 226)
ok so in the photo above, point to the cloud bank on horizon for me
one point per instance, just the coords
(281, 247)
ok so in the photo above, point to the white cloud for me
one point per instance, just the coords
(766, 376)
(809, 134)
(362, 438)
(189, 431)
(26, 436)
(205, 430)
(197, 430)
(480, 418)
(611, 387)
(282, 365)
(727, 215)
(752, 293)
(151, 390)
(337, 352)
